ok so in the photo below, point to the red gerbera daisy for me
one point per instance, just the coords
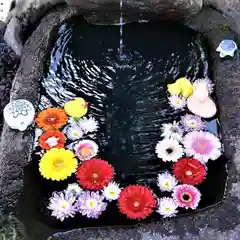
(52, 139)
(95, 174)
(189, 171)
(136, 201)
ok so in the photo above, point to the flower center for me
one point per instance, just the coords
(186, 197)
(166, 184)
(136, 204)
(51, 119)
(202, 146)
(192, 123)
(167, 209)
(58, 163)
(188, 173)
(95, 175)
(169, 150)
(178, 102)
(64, 205)
(92, 203)
(85, 151)
(75, 134)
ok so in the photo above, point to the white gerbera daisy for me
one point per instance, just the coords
(112, 191)
(169, 150)
(177, 102)
(88, 124)
(167, 207)
(73, 132)
(86, 149)
(172, 131)
(166, 182)
(74, 189)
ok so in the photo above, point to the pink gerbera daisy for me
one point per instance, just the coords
(202, 146)
(186, 196)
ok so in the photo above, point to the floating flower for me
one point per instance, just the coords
(207, 82)
(112, 191)
(166, 182)
(172, 131)
(52, 139)
(76, 108)
(186, 196)
(58, 164)
(169, 150)
(73, 132)
(202, 146)
(88, 124)
(86, 149)
(137, 202)
(95, 174)
(61, 205)
(189, 171)
(167, 207)
(73, 189)
(51, 119)
(192, 123)
(90, 204)
(177, 102)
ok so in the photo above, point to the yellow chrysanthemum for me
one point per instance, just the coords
(58, 164)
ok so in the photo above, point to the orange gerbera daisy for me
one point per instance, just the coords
(51, 118)
(52, 139)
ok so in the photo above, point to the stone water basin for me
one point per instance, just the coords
(127, 95)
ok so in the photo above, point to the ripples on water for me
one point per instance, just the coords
(127, 92)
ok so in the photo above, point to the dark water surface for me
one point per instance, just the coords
(127, 95)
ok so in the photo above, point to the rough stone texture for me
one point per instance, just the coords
(16, 147)
(12, 36)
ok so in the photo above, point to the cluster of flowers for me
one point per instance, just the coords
(179, 102)
(189, 146)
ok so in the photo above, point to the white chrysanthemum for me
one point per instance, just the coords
(177, 102)
(73, 132)
(74, 189)
(88, 124)
(169, 150)
(172, 131)
(166, 182)
(112, 191)
(167, 207)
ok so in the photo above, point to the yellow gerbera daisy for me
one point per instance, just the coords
(58, 164)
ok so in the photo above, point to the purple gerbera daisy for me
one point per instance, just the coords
(61, 204)
(90, 204)
(192, 123)
(202, 146)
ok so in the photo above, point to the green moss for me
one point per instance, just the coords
(224, 27)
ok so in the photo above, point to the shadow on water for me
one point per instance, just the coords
(127, 94)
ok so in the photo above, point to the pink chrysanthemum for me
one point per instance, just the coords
(202, 146)
(186, 196)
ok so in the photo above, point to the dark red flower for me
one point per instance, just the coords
(189, 171)
(136, 201)
(52, 139)
(94, 174)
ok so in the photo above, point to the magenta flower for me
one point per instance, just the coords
(186, 196)
(202, 146)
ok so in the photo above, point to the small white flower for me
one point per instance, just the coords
(73, 189)
(167, 207)
(88, 125)
(166, 182)
(172, 131)
(169, 150)
(177, 102)
(112, 191)
(73, 132)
